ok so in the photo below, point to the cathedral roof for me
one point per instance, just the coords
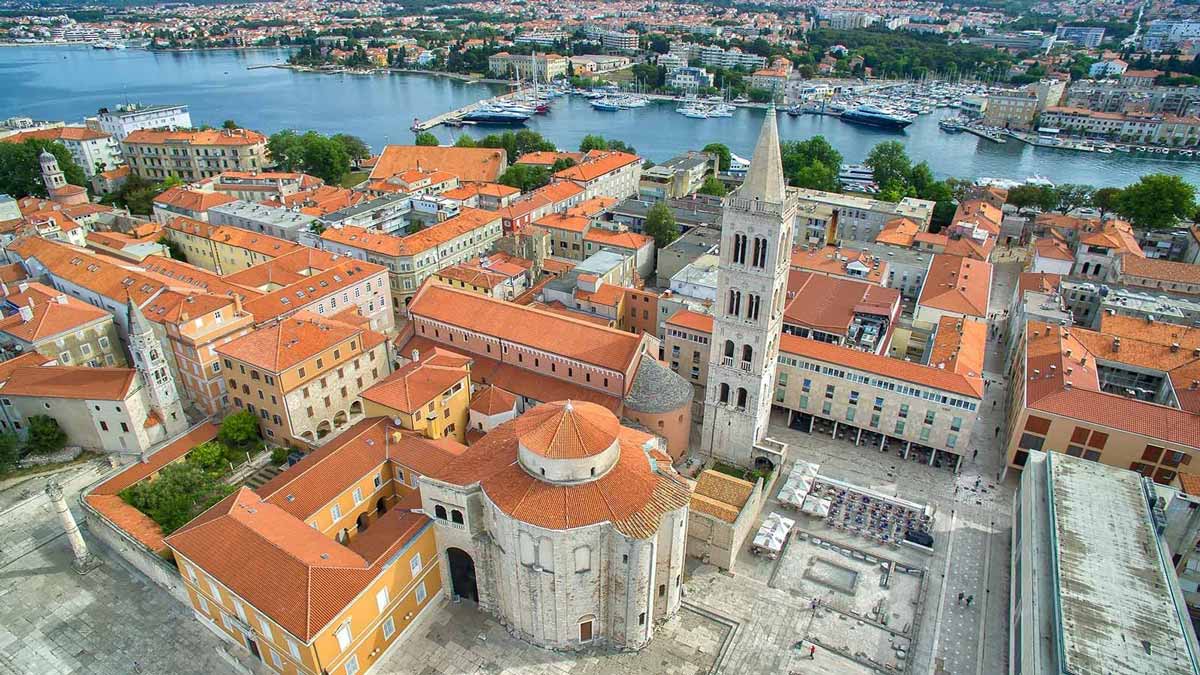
(568, 430)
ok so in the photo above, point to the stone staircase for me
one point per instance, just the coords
(260, 477)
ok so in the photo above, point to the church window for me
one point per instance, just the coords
(747, 353)
(724, 397)
(456, 516)
(741, 398)
(583, 559)
(545, 551)
(729, 348)
(439, 511)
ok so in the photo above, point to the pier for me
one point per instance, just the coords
(456, 115)
(983, 133)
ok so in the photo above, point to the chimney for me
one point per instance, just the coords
(61, 299)
(416, 355)
(1116, 345)
(1174, 347)
(26, 313)
(237, 304)
(22, 287)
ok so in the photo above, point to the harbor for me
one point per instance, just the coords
(68, 83)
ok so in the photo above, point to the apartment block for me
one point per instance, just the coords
(193, 155)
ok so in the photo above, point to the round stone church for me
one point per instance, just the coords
(565, 525)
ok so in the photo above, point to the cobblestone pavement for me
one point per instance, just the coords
(111, 621)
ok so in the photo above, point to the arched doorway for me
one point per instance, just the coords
(356, 408)
(362, 522)
(339, 418)
(323, 429)
(380, 507)
(462, 574)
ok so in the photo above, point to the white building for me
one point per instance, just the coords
(92, 150)
(592, 563)
(755, 250)
(124, 119)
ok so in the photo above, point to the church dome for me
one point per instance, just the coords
(568, 440)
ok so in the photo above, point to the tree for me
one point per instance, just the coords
(525, 177)
(1157, 201)
(209, 456)
(21, 169)
(892, 169)
(310, 152)
(722, 152)
(1105, 199)
(562, 163)
(592, 142)
(464, 141)
(660, 224)
(426, 138)
(229, 124)
(811, 164)
(239, 430)
(45, 436)
(354, 146)
(517, 144)
(180, 492)
(173, 249)
(1033, 196)
(713, 187)
(10, 452)
(1071, 197)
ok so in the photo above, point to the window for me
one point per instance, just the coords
(335, 512)
(103, 425)
(352, 665)
(956, 424)
(381, 599)
(929, 415)
(275, 660)
(829, 391)
(343, 636)
(421, 592)
(389, 628)
(900, 426)
(903, 414)
(293, 649)
(378, 480)
(357, 495)
(203, 604)
(414, 564)
(266, 630)
(215, 590)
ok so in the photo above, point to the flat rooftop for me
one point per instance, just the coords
(269, 215)
(1118, 602)
(909, 206)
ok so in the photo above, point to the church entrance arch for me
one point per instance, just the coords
(462, 574)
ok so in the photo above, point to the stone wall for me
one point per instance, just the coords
(161, 571)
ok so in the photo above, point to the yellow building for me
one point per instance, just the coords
(302, 376)
(155, 154)
(321, 569)
(224, 249)
(430, 395)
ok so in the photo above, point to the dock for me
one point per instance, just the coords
(989, 135)
(456, 115)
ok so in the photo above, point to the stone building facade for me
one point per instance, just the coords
(603, 570)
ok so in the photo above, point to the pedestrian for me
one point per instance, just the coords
(993, 404)
(975, 455)
(970, 598)
(812, 652)
(997, 434)
(960, 597)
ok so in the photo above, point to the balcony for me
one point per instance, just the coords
(745, 366)
(772, 447)
(727, 361)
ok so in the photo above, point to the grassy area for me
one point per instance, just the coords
(354, 178)
(619, 76)
(738, 472)
(83, 458)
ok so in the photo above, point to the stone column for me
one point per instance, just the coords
(84, 562)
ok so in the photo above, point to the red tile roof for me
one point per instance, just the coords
(99, 384)
(54, 313)
(492, 400)
(538, 329)
(469, 164)
(597, 164)
(956, 284)
(567, 430)
(829, 303)
(288, 342)
(914, 373)
(415, 384)
(223, 137)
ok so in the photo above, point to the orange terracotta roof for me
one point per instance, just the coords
(561, 221)
(915, 373)
(1189, 482)
(957, 284)
(608, 348)
(474, 276)
(54, 313)
(100, 384)
(414, 385)
(589, 208)
(836, 261)
(633, 495)
(88, 270)
(28, 359)
(898, 232)
(285, 569)
(119, 172)
(1117, 235)
(191, 200)
(1042, 282)
(173, 451)
(1160, 270)
(547, 158)
(720, 495)
(980, 213)
(285, 343)
(626, 240)
(567, 430)
(224, 137)
(958, 345)
(1053, 248)
(468, 220)
(300, 291)
(1072, 387)
(469, 164)
(12, 273)
(596, 165)
(184, 277)
(492, 400)
(694, 321)
(829, 303)
(57, 134)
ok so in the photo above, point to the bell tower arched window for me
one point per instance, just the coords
(724, 395)
(741, 398)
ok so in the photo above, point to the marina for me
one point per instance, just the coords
(68, 83)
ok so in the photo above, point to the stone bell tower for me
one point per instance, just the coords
(756, 245)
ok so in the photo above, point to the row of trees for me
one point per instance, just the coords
(43, 436)
(1155, 201)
